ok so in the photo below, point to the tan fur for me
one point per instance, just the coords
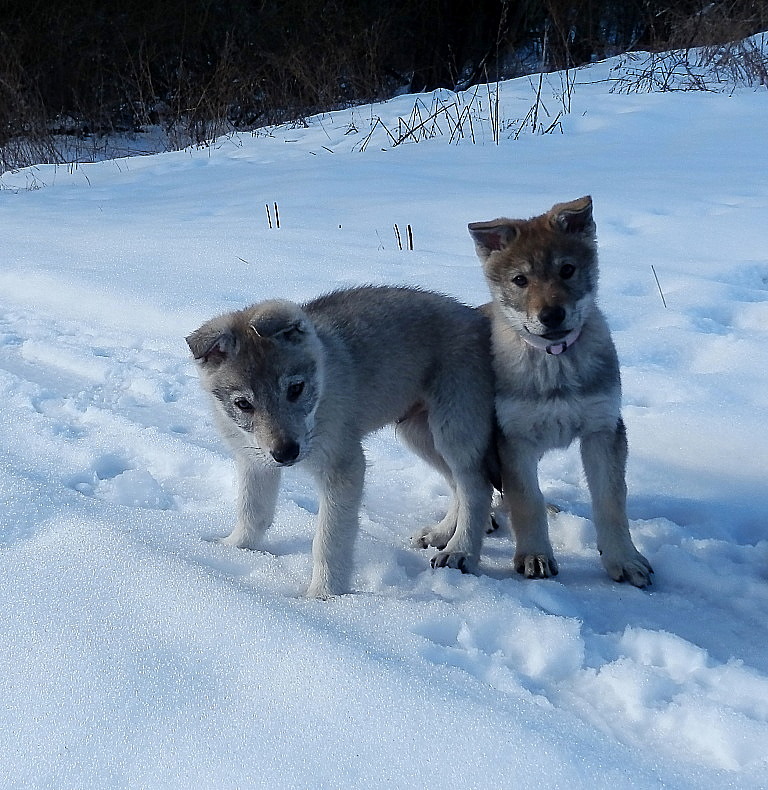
(557, 379)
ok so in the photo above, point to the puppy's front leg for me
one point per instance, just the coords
(604, 455)
(258, 486)
(534, 557)
(341, 486)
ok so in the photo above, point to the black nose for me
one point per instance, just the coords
(552, 317)
(285, 453)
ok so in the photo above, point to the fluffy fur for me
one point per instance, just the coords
(304, 384)
(557, 379)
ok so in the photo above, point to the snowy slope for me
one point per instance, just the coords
(134, 652)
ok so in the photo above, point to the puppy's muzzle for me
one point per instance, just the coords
(286, 452)
(552, 316)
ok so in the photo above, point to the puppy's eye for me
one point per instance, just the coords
(294, 391)
(520, 281)
(567, 270)
(243, 404)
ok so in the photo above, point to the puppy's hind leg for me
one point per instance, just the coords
(258, 486)
(463, 444)
(341, 484)
(604, 455)
(473, 511)
(415, 432)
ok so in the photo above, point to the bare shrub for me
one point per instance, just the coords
(78, 72)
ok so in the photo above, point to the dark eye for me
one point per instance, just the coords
(243, 404)
(520, 281)
(294, 391)
(567, 270)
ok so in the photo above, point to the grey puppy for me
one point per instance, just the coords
(293, 384)
(557, 379)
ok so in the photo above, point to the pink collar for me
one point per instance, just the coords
(552, 348)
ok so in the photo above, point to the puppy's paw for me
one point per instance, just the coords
(320, 593)
(632, 568)
(431, 536)
(239, 539)
(536, 566)
(323, 588)
(494, 524)
(453, 559)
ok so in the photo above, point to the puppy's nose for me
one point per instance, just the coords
(285, 453)
(552, 316)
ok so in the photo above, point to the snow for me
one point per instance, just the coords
(137, 653)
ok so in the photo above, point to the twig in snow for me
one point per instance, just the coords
(658, 285)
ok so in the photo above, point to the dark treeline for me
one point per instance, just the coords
(101, 65)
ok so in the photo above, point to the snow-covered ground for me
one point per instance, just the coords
(136, 653)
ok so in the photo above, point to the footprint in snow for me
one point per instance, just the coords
(112, 479)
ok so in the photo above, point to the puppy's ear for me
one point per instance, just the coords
(573, 217)
(493, 235)
(280, 320)
(213, 342)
